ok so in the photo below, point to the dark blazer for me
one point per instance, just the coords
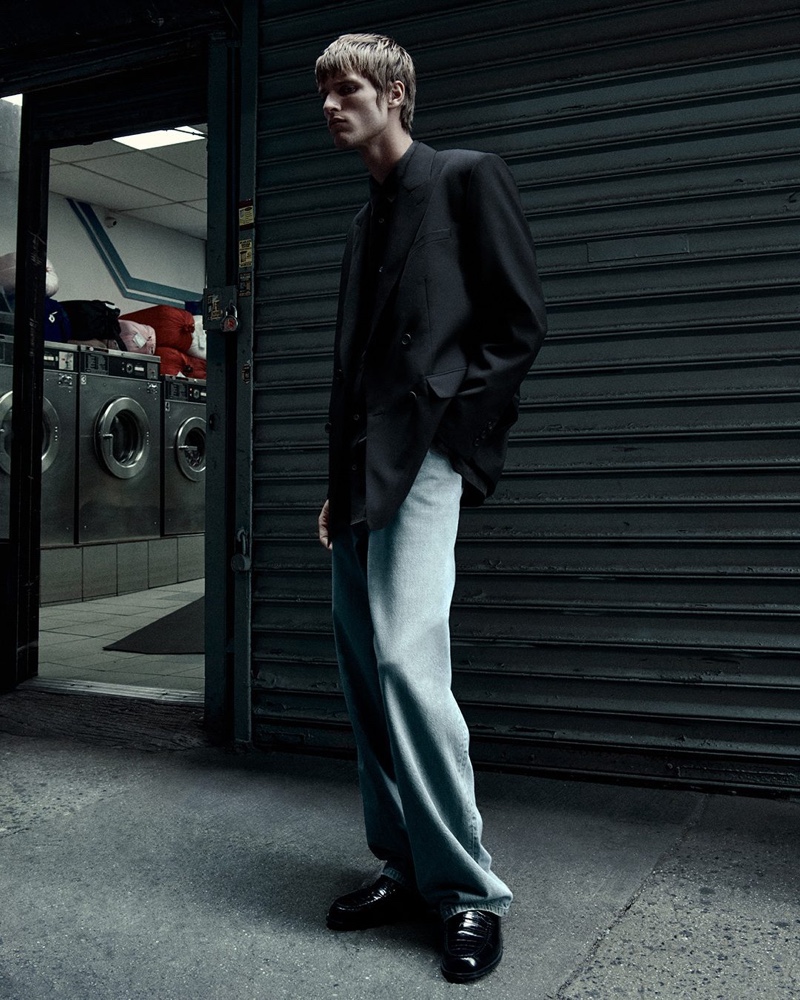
(457, 321)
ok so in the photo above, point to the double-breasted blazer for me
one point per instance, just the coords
(458, 318)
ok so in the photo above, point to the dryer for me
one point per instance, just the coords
(59, 413)
(119, 446)
(183, 455)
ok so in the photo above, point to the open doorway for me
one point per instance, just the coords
(206, 84)
(122, 565)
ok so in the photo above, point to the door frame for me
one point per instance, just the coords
(22, 587)
(232, 103)
(230, 112)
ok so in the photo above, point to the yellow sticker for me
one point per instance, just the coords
(247, 214)
(245, 253)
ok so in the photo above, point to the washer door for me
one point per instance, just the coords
(122, 438)
(50, 433)
(190, 448)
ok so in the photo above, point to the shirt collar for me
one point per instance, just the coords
(391, 185)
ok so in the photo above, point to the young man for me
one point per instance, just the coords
(440, 317)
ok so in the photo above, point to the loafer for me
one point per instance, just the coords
(473, 945)
(383, 902)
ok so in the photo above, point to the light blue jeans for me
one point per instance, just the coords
(392, 590)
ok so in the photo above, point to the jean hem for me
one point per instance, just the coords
(398, 877)
(499, 909)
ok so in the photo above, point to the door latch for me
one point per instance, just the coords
(216, 316)
(241, 561)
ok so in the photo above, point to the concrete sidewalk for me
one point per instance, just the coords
(138, 862)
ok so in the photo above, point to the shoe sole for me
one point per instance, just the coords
(470, 977)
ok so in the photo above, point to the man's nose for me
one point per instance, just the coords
(330, 105)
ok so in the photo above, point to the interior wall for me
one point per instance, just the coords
(10, 118)
(149, 252)
(8, 214)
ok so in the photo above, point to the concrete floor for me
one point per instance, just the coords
(139, 863)
(72, 637)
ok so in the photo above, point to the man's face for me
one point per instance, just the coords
(356, 115)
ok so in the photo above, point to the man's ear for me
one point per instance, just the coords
(396, 94)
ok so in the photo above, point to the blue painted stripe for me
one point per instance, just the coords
(129, 286)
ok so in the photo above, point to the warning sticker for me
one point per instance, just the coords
(245, 253)
(247, 215)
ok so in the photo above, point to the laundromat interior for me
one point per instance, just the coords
(123, 451)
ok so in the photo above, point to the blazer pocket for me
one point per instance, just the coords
(433, 236)
(445, 385)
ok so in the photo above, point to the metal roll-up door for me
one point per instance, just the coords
(627, 603)
(170, 88)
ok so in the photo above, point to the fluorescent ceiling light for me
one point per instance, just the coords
(163, 137)
(14, 99)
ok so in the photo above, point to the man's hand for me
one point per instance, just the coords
(322, 526)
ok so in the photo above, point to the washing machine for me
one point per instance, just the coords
(119, 446)
(183, 455)
(59, 414)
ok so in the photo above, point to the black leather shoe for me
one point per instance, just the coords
(383, 902)
(473, 945)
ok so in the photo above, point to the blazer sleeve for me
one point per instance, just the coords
(510, 321)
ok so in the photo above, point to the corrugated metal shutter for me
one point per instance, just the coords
(47, 42)
(627, 604)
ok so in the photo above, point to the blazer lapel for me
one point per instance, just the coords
(409, 211)
(352, 286)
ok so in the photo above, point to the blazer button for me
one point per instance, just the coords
(412, 395)
(356, 417)
(405, 340)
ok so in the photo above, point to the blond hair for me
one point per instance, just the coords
(379, 59)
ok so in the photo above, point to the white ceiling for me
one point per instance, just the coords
(166, 186)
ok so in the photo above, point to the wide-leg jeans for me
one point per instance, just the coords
(392, 590)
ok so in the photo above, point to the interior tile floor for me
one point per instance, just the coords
(72, 637)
